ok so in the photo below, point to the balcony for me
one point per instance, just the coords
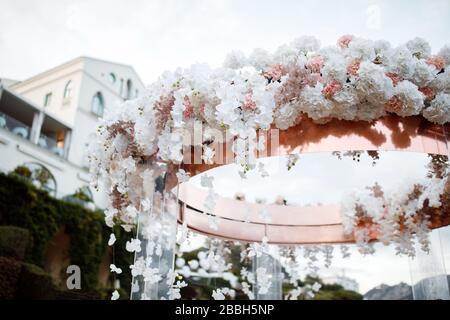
(15, 126)
(25, 120)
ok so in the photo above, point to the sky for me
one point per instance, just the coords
(154, 36)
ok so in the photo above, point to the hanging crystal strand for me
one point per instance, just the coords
(427, 269)
(268, 277)
(153, 266)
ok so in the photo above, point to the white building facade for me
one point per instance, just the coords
(48, 120)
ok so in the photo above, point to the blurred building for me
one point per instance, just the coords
(47, 121)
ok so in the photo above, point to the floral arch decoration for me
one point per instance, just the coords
(360, 95)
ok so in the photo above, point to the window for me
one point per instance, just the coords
(129, 89)
(97, 105)
(68, 90)
(47, 99)
(112, 78)
(40, 176)
(121, 87)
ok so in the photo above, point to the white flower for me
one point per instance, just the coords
(151, 275)
(419, 47)
(314, 103)
(218, 295)
(133, 246)
(206, 181)
(439, 110)
(235, 60)
(182, 176)
(112, 239)
(423, 73)
(286, 116)
(411, 97)
(335, 68)
(131, 211)
(316, 286)
(115, 269)
(445, 53)
(146, 204)
(115, 295)
(208, 154)
(128, 164)
(401, 62)
(372, 84)
(306, 44)
(260, 59)
(286, 55)
(361, 49)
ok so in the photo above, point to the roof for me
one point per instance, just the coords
(71, 62)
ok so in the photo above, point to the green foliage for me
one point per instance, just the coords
(25, 206)
(14, 242)
(341, 294)
(23, 171)
(9, 276)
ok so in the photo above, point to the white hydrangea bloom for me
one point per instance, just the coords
(235, 60)
(335, 68)
(287, 115)
(306, 44)
(286, 55)
(314, 103)
(260, 59)
(372, 83)
(361, 49)
(439, 110)
(420, 47)
(423, 73)
(411, 97)
(402, 62)
(445, 53)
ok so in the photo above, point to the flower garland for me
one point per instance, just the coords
(358, 79)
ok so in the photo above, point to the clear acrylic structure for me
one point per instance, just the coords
(157, 231)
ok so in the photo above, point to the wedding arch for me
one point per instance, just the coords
(360, 98)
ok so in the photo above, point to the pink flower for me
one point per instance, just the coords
(331, 88)
(353, 68)
(249, 104)
(314, 78)
(344, 41)
(274, 72)
(202, 108)
(394, 104)
(315, 64)
(437, 61)
(428, 92)
(394, 77)
(189, 108)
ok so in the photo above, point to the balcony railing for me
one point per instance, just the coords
(14, 125)
(50, 144)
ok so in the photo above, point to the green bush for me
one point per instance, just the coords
(10, 271)
(23, 205)
(14, 242)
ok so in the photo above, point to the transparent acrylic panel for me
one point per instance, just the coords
(268, 277)
(428, 273)
(157, 230)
